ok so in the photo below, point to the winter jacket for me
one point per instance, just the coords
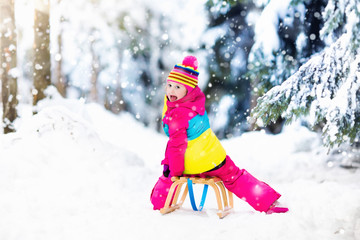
(192, 148)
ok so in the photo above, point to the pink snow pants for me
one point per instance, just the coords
(258, 194)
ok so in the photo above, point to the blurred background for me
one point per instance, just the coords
(118, 53)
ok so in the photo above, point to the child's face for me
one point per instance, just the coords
(175, 91)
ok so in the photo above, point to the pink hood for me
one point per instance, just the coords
(194, 101)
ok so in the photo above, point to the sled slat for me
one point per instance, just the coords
(224, 200)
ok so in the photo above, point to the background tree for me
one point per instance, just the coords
(136, 43)
(149, 40)
(60, 80)
(327, 87)
(41, 63)
(228, 88)
(286, 35)
(95, 66)
(8, 70)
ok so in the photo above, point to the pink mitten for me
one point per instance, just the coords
(160, 192)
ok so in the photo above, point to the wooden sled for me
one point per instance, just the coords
(224, 201)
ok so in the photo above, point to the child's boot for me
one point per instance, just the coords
(275, 208)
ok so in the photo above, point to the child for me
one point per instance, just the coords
(193, 149)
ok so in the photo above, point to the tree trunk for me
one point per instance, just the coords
(61, 81)
(8, 72)
(41, 65)
(120, 103)
(95, 70)
(117, 103)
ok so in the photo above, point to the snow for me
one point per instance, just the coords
(266, 28)
(75, 171)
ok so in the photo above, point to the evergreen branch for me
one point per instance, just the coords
(326, 88)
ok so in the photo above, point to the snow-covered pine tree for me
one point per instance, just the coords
(327, 86)
(286, 35)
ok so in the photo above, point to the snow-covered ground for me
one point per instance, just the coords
(77, 172)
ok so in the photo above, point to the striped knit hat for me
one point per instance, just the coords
(186, 73)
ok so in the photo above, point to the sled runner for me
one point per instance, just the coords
(224, 201)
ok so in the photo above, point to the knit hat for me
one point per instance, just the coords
(186, 73)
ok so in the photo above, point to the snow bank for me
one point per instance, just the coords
(75, 171)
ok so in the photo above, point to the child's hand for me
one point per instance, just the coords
(166, 171)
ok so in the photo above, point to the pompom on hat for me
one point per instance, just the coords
(186, 73)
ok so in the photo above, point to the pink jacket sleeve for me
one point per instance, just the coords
(177, 144)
